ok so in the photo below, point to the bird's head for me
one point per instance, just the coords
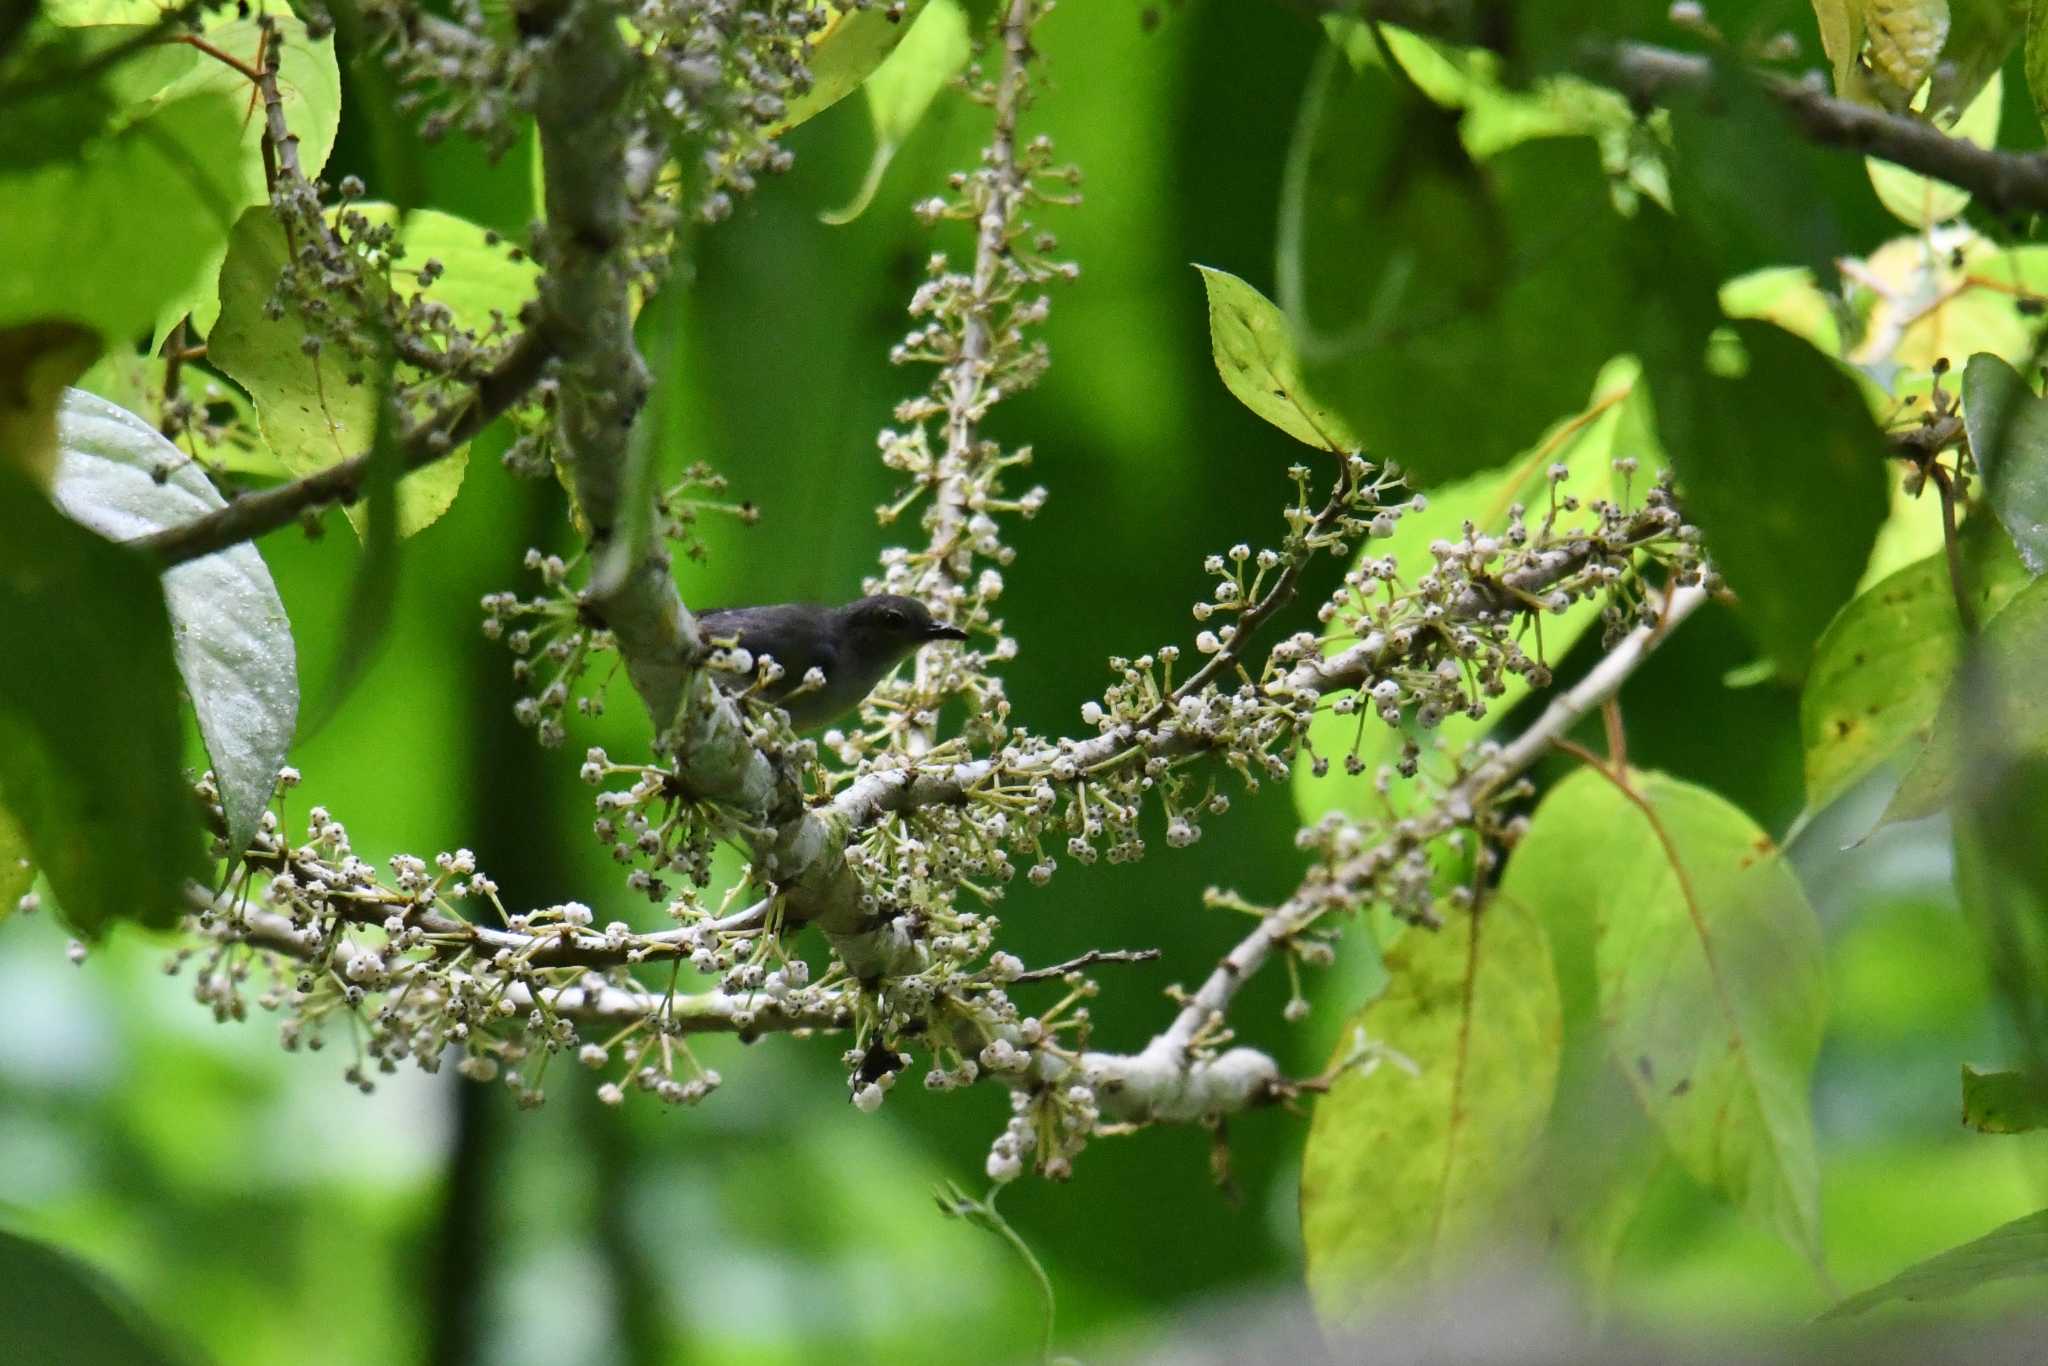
(888, 626)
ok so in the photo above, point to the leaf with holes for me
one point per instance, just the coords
(1710, 978)
(119, 476)
(1405, 1172)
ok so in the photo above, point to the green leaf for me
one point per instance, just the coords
(1427, 293)
(903, 87)
(1881, 668)
(1783, 469)
(1404, 1174)
(119, 476)
(1981, 35)
(2037, 58)
(2008, 427)
(2004, 1102)
(52, 116)
(1615, 423)
(1995, 710)
(2001, 880)
(162, 189)
(1902, 42)
(1919, 201)
(844, 52)
(2019, 1248)
(309, 87)
(89, 741)
(54, 1308)
(1256, 358)
(1711, 983)
(311, 414)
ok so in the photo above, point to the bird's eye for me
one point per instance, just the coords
(894, 620)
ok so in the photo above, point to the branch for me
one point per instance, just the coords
(254, 514)
(1168, 1078)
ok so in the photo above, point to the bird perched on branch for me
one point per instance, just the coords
(853, 647)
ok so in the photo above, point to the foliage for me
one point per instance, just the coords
(1585, 323)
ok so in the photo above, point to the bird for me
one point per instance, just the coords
(854, 646)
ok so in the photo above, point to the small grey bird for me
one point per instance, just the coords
(854, 646)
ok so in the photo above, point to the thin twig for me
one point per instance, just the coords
(1944, 486)
(1059, 970)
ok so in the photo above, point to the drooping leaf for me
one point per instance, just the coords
(309, 89)
(1920, 201)
(1758, 455)
(120, 477)
(1710, 978)
(54, 1308)
(163, 188)
(2019, 1248)
(1614, 424)
(2008, 427)
(1426, 291)
(903, 87)
(1881, 668)
(2010, 1102)
(89, 743)
(845, 51)
(1403, 1173)
(1256, 358)
(1995, 711)
(316, 410)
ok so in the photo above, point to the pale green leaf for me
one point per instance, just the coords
(1903, 40)
(1710, 978)
(1405, 1173)
(119, 476)
(903, 87)
(844, 52)
(1919, 201)
(1256, 358)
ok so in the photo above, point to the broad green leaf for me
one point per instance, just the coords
(1783, 468)
(56, 1309)
(1255, 357)
(483, 278)
(229, 439)
(1881, 668)
(311, 413)
(1615, 424)
(1711, 982)
(51, 116)
(1919, 201)
(89, 740)
(1981, 35)
(234, 646)
(309, 87)
(1995, 710)
(1787, 297)
(17, 863)
(2004, 1102)
(903, 87)
(843, 53)
(2008, 427)
(1426, 292)
(1841, 39)
(2001, 880)
(163, 189)
(1404, 1174)
(2019, 1248)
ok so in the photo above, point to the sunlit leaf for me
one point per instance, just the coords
(2019, 1248)
(316, 410)
(2003, 1102)
(309, 89)
(2008, 427)
(1920, 201)
(1615, 424)
(845, 51)
(903, 87)
(1903, 39)
(1405, 1172)
(1880, 669)
(1994, 710)
(120, 477)
(89, 741)
(1256, 358)
(1711, 983)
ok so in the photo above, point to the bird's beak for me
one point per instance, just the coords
(940, 631)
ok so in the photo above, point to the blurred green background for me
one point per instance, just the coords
(264, 1211)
